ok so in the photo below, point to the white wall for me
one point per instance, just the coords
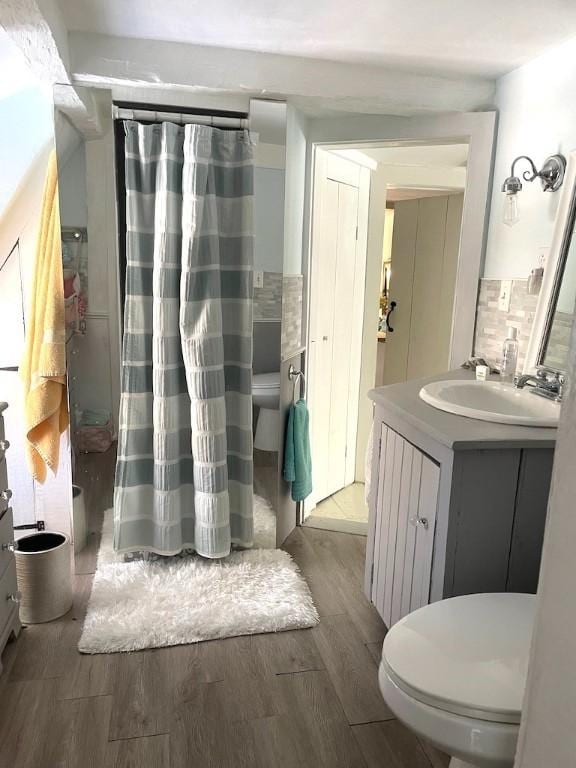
(101, 354)
(537, 105)
(72, 189)
(25, 117)
(51, 502)
(296, 130)
(269, 219)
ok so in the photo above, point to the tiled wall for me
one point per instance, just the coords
(292, 295)
(492, 324)
(268, 299)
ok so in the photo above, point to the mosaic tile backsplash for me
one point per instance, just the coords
(292, 297)
(268, 299)
(492, 324)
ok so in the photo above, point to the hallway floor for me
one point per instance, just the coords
(347, 504)
(306, 698)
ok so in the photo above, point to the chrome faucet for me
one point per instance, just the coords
(546, 383)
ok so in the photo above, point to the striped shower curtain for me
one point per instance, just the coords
(184, 470)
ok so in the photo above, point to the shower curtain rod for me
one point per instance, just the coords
(219, 118)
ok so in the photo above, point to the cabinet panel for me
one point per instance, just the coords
(394, 528)
(405, 515)
(529, 520)
(6, 538)
(481, 518)
(410, 551)
(376, 543)
(427, 505)
(404, 553)
(386, 471)
(8, 608)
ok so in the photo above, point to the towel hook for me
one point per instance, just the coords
(296, 376)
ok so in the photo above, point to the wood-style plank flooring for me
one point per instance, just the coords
(300, 699)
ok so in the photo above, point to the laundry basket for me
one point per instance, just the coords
(44, 571)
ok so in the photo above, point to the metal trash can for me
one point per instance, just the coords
(44, 572)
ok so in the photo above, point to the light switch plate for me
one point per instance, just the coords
(543, 252)
(258, 279)
(505, 293)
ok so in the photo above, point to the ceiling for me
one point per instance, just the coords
(25, 116)
(465, 37)
(416, 171)
(428, 156)
(12, 60)
(395, 195)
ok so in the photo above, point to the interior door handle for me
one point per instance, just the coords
(392, 308)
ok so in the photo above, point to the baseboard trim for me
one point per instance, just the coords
(336, 524)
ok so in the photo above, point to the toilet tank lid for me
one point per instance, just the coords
(266, 380)
(470, 651)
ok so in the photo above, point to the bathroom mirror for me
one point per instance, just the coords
(550, 338)
(556, 339)
(93, 279)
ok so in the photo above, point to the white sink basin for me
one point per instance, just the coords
(492, 401)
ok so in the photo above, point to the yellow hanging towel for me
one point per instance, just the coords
(43, 368)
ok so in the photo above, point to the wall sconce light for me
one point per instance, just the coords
(551, 175)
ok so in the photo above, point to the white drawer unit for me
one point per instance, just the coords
(6, 540)
(9, 619)
(402, 528)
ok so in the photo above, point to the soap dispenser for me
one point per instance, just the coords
(509, 355)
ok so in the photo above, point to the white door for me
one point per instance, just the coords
(336, 300)
(400, 553)
(425, 246)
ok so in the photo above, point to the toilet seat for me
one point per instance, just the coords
(266, 397)
(451, 707)
(477, 742)
(467, 656)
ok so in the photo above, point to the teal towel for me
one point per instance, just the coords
(297, 460)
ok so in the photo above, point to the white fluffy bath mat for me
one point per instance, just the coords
(171, 601)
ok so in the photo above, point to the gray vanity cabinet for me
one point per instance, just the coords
(457, 505)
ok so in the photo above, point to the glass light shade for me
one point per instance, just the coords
(511, 214)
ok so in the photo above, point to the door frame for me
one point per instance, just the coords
(356, 175)
(478, 130)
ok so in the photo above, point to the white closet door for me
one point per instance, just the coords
(408, 483)
(322, 381)
(340, 340)
(337, 279)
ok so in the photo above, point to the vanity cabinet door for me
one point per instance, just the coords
(529, 520)
(405, 516)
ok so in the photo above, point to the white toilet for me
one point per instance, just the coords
(266, 395)
(455, 671)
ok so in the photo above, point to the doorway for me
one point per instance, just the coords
(418, 281)
(386, 224)
(337, 310)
